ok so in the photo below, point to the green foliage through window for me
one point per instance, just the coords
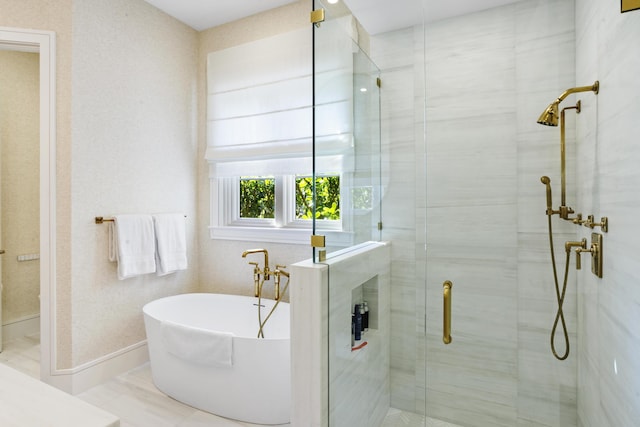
(257, 197)
(327, 197)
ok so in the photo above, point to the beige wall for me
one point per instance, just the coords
(221, 267)
(133, 151)
(126, 142)
(19, 153)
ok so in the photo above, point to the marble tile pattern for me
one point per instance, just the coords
(474, 186)
(357, 392)
(608, 156)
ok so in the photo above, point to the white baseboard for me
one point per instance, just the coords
(75, 381)
(28, 325)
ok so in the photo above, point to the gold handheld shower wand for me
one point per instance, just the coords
(547, 181)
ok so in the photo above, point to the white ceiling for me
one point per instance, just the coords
(377, 16)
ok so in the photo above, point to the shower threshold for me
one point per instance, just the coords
(398, 418)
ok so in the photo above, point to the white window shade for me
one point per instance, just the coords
(259, 115)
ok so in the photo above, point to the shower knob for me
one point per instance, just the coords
(1, 251)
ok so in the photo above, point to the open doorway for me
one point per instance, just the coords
(20, 210)
(42, 44)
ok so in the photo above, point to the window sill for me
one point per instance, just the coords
(296, 236)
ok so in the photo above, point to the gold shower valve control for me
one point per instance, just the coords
(603, 224)
(596, 254)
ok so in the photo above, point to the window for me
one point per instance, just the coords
(327, 198)
(258, 207)
(257, 197)
(259, 141)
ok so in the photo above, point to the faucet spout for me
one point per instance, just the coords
(266, 260)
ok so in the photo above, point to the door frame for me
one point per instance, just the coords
(43, 42)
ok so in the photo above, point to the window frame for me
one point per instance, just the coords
(226, 223)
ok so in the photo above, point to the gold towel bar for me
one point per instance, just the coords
(101, 219)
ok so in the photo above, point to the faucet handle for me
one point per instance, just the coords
(256, 269)
(578, 219)
(593, 250)
(276, 278)
(603, 224)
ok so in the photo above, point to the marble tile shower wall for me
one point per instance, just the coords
(488, 77)
(609, 153)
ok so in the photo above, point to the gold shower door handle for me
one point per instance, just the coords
(446, 323)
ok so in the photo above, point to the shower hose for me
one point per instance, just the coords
(560, 297)
(264, 322)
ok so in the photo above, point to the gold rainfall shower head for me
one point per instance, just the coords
(550, 115)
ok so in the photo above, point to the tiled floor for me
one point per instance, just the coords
(23, 354)
(133, 397)
(138, 403)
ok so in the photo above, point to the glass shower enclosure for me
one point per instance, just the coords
(346, 135)
(347, 144)
(462, 204)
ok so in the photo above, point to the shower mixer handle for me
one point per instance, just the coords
(593, 250)
(578, 219)
(582, 244)
(603, 224)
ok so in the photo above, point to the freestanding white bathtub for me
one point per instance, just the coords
(253, 384)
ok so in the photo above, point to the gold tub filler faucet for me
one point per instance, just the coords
(262, 275)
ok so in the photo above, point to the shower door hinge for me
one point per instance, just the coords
(380, 225)
(317, 241)
(379, 82)
(317, 16)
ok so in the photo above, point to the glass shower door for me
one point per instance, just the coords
(485, 218)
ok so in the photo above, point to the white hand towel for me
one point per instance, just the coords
(132, 242)
(171, 243)
(197, 345)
